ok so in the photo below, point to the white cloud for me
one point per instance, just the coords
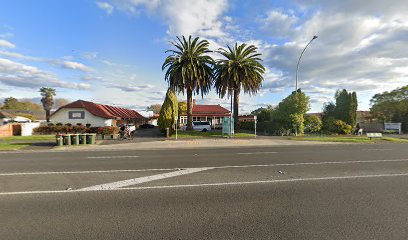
(73, 65)
(278, 23)
(106, 7)
(202, 18)
(20, 75)
(7, 35)
(131, 87)
(90, 55)
(6, 44)
(358, 49)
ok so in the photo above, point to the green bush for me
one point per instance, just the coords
(75, 129)
(313, 124)
(332, 125)
(108, 130)
(43, 130)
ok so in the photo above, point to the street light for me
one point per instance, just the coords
(297, 67)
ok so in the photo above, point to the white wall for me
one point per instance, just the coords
(27, 128)
(62, 116)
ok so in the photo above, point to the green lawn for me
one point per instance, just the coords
(12, 146)
(19, 142)
(348, 139)
(28, 138)
(186, 135)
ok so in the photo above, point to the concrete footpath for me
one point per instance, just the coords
(199, 143)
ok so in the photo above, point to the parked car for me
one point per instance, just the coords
(204, 126)
(147, 125)
(132, 127)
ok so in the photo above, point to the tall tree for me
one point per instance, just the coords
(155, 108)
(47, 100)
(59, 102)
(289, 114)
(14, 104)
(345, 108)
(168, 112)
(240, 70)
(391, 106)
(190, 70)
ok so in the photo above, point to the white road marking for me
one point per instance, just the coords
(251, 153)
(140, 180)
(310, 163)
(212, 184)
(378, 149)
(114, 157)
(219, 167)
(85, 172)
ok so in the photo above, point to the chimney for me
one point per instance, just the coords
(194, 102)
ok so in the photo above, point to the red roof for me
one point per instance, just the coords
(104, 111)
(209, 110)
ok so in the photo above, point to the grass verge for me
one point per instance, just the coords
(12, 146)
(195, 135)
(28, 138)
(349, 139)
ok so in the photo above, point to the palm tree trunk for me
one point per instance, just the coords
(47, 115)
(236, 107)
(189, 110)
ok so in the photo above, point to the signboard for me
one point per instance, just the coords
(393, 126)
(76, 114)
(226, 126)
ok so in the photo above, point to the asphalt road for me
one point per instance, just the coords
(292, 192)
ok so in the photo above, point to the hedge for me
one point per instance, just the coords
(55, 129)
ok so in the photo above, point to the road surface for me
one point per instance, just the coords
(291, 192)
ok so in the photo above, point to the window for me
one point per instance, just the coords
(76, 115)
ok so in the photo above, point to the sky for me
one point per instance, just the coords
(112, 51)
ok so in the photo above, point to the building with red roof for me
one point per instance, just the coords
(97, 115)
(212, 113)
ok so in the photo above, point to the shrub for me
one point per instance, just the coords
(79, 129)
(88, 125)
(108, 130)
(92, 130)
(59, 124)
(332, 125)
(51, 124)
(313, 124)
(43, 130)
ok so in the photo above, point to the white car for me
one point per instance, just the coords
(132, 127)
(200, 126)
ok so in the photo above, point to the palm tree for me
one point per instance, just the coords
(190, 70)
(241, 69)
(47, 100)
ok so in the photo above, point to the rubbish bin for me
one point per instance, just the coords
(59, 140)
(82, 139)
(90, 138)
(75, 139)
(66, 139)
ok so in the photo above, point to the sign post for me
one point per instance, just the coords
(255, 120)
(176, 127)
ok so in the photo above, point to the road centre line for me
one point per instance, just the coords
(114, 157)
(84, 172)
(140, 180)
(219, 167)
(311, 163)
(211, 184)
(251, 153)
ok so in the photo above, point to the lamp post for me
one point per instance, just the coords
(297, 67)
(231, 114)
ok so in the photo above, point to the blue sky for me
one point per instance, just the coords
(112, 51)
